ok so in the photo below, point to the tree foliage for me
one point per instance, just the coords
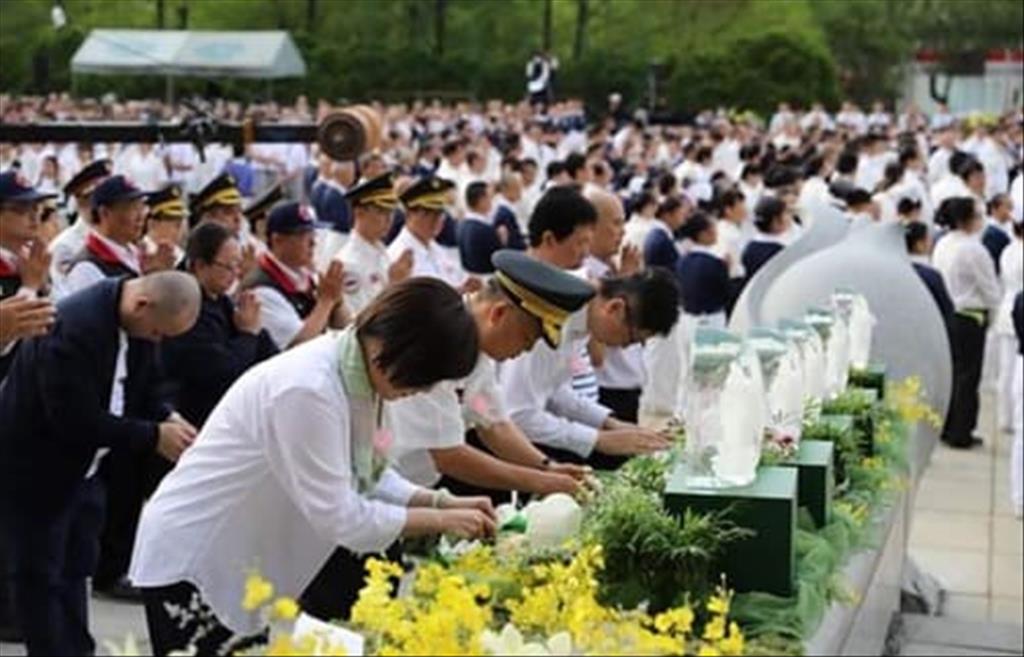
(749, 53)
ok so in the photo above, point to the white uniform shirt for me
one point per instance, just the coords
(968, 270)
(537, 388)
(366, 271)
(427, 259)
(63, 249)
(637, 230)
(623, 367)
(85, 274)
(439, 420)
(1017, 196)
(1011, 271)
(731, 242)
(116, 395)
(278, 315)
(269, 485)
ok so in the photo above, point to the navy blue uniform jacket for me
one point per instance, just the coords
(54, 404)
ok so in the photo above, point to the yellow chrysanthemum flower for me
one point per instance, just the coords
(258, 592)
(285, 609)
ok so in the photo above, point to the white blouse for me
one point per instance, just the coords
(269, 485)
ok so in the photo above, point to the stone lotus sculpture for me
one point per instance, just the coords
(909, 337)
(829, 227)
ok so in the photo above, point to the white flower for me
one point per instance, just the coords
(511, 642)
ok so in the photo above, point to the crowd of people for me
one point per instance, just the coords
(264, 357)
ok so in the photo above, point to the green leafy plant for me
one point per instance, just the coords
(652, 556)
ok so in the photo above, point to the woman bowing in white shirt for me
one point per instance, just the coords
(290, 465)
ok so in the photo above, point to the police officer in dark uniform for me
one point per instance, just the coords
(66, 246)
(295, 306)
(227, 339)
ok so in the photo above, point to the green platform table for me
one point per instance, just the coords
(766, 561)
(872, 377)
(815, 464)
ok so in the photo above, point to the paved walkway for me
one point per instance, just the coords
(964, 533)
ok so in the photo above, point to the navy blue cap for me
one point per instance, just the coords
(115, 189)
(292, 217)
(89, 174)
(15, 187)
(550, 295)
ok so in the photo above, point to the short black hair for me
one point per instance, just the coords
(908, 153)
(451, 146)
(769, 208)
(669, 205)
(695, 225)
(996, 201)
(729, 197)
(575, 163)
(653, 298)
(968, 167)
(915, 232)
(858, 196)
(667, 184)
(781, 175)
(205, 241)
(846, 164)
(554, 169)
(475, 191)
(956, 212)
(642, 200)
(427, 335)
(907, 205)
(560, 211)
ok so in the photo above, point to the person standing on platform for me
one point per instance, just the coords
(69, 244)
(227, 339)
(1011, 272)
(368, 270)
(294, 306)
(292, 464)
(87, 388)
(998, 231)
(974, 288)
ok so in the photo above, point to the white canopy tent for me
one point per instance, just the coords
(264, 55)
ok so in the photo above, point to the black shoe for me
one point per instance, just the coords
(10, 634)
(121, 590)
(974, 442)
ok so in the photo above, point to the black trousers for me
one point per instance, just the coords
(53, 556)
(8, 607)
(130, 478)
(625, 404)
(197, 629)
(968, 342)
(335, 589)
(457, 487)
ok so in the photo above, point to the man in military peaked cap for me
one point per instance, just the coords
(368, 270)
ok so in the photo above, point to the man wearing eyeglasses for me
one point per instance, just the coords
(537, 386)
